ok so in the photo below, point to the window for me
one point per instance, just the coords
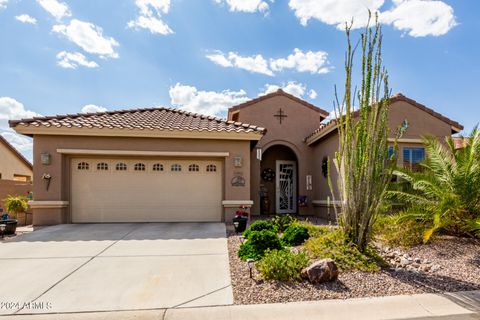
(83, 166)
(211, 168)
(139, 167)
(121, 167)
(412, 158)
(102, 166)
(193, 168)
(158, 167)
(176, 167)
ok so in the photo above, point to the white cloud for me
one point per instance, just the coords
(89, 37)
(417, 17)
(420, 18)
(292, 87)
(150, 16)
(55, 8)
(312, 94)
(71, 60)
(25, 18)
(91, 108)
(245, 5)
(310, 61)
(3, 4)
(205, 102)
(11, 109)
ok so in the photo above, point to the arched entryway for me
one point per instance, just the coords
(278, 180)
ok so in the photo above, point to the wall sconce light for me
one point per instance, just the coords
(309, 182)
(259, 154)
(46, 158)
(237, 161)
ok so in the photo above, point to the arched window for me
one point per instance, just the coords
(193, 168)
(157, 167)
(121, 166)
(83, 166)
(176, 167)
(102, 166)
(139, 167)
(211, 168)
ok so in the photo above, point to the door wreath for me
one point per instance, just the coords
(268, 175)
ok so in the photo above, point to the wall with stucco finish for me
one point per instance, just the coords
(59, 169)
(11, 165)
(299, 123)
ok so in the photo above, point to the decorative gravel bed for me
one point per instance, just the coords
(454, 266)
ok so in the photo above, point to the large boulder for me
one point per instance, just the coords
(321, 271)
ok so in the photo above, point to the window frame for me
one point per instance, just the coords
(138, 165)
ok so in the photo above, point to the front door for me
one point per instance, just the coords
(286, 186)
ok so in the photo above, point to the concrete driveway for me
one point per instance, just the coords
(104, 267)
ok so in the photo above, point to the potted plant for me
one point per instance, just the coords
(240, 220)
(14, 205)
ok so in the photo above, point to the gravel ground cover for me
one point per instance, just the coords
(453, 264)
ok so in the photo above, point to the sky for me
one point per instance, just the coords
(70, 56)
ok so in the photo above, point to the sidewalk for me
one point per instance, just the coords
(460, 305)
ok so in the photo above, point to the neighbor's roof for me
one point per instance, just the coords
(164, 119)
(325, 128)
(279, 92)
(15, 152)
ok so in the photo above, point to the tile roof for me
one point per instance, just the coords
(279, 92)
(397, 97)
(15, 152)
(143, 119)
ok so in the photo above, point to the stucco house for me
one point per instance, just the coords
(156, 165)
(13, 165)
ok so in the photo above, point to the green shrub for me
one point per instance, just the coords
(260, 225)
(295, 235)
(395, 231)
(283, 265)
(331, 244)
(257, 243)
(283, 221)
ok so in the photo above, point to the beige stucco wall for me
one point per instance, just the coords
(59, 168)
(300, 122)
(11, 165)
(420, 122)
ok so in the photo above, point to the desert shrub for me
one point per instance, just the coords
(331, 244)
(395, 231)
(283, 265)
(295, 235)
(260, 225)
(257, 243)
(283, 221)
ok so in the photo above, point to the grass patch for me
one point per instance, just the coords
(329, 243)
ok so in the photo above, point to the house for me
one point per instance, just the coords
(157, 165)
(13, 165)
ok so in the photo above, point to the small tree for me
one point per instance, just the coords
(15, 205)
(364, 171)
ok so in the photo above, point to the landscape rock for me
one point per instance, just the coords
(321, 271)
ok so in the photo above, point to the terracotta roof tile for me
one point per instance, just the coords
(143, 119)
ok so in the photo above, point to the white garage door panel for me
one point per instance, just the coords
(146, 196)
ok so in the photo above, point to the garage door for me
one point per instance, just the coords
(133, 190)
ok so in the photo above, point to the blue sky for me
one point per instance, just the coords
(205, 55)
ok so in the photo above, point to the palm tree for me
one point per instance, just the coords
(445, 194)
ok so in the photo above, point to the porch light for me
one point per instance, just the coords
(250, 263)
(45, 158)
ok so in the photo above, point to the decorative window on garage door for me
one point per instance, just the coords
(157, 167)
(193, 168)
(211, 168)
(139, 167)
(121, 166)
(102, 166)
(176, 167)
(83, 166)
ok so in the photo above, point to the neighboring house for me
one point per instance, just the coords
(151, 165)
(13, 165)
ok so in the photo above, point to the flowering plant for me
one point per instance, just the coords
(241, 212)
